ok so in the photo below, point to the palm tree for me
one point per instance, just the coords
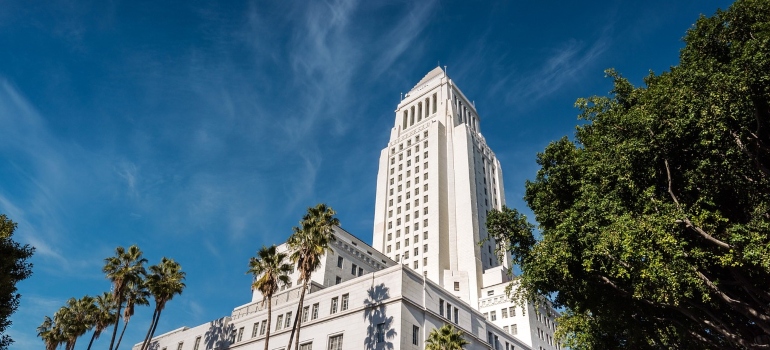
(164, 282)
(79, 319)
(103, 316)
(269, 271)
(126, 266)
(308, 244)
(136, 294)
(50, 332)
(445, 338)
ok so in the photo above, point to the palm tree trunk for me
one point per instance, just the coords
(125, 324)
(297, 321)
(154, 326)
(269, 319)
(93, 336)
(115, 329)
(147, 337)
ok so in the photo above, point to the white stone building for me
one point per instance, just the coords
(432, 261)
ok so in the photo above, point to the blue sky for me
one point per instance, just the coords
(202, 130)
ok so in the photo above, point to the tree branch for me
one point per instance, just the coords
(761, 320)
(687, 221)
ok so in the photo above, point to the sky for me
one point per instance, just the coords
(202, 130)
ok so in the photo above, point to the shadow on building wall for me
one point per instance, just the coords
(379, 330)
(219, 334)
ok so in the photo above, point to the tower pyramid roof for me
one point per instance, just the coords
(428, 77)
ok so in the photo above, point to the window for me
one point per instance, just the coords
(263, 327)
(416, 251)
(255, 329)
(490, 292)
(415, 264)
(390, 202)
(288, 320)
(457, 286)
(448, 311)
(335, 342)
(425, 248)
(360, 271)
(512, 311)
(406, 254)
(425, 210)
(387, 250)
(406, 242)
(240, 337)
(390, 223)
(306, 346)
(353, 269)
(315, 312)
(398, 245)
(457, 312)
(441, 307)
(345, 301)
(390, 236)
(415, 335)
(197, 343)
(305, 312)
(333, 309)
(425, 235)
(424, 261)
(505, 313)
(380, 332)
(338, 280)
(392, 160)
(493, 315)
(425, 176)
(339, 261)
(425, 155)
(279, 324)
(514, 329)
(179, 346)
(425, 223)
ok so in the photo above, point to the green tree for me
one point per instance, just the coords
(269, 271)
(103, 315)
(76, 319)
(164, 282)
(655, 221)
(136, 294)
(51, 333)
(308, 244)
(127, 266)
(445, 338)
(14, 267)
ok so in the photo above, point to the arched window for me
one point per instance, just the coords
(411, 117)
(406, 113)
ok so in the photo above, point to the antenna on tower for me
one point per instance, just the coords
(402, 96)
(444, 70)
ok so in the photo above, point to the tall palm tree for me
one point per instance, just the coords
(50, 332)
(445, 338)
(75, 319)
(269, 270)
(126, 266)
(308, 244)
(103, 316)
(136, 294)
(164, 282)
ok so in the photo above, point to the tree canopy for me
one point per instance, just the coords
(655, 219)
(14, 267)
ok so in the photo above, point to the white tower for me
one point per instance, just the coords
(437, 181)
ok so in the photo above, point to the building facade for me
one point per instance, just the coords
(432, 261)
